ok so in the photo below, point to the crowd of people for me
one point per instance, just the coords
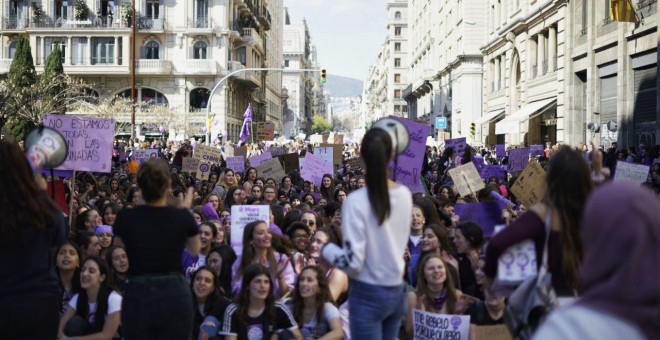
(149, 254)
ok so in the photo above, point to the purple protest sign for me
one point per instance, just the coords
(518, 159)
(490, 170)
(89, 139)
(535, 150)
(478, 163)
(486, 214)
(258, 159)
(409, 163)
(236, 163)
(500, 150)
(312, 168)
(459, 145)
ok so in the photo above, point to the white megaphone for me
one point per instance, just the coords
(397, 131)
(46, 148)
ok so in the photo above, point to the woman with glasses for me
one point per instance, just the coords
(310, 218)
(299, 234)
(270, 194)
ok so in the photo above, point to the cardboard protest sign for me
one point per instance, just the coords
(490, 170)
(496, 332)
(290, 162)
(635, 173)
(265, 131)
(467, 179)
(312, 168)
(276, 151)
(145, 154)
(517, 263)
(337, 149)
(241, 215)
(316, 138)
(207, 154)
(500, 150)
(339, 139)
(459, 145)
(326, 154)
(240, 151)
(529, 188)
(258, 159)
(354, 163)
(89, 140)
(203, 171)
(409, 163)
(536, 150)
(486, 214)
(189, 164)
(518, 159)
(271, 169)
(236, 163)
(432, 326)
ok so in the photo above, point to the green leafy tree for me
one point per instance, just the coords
(21, 78)
(52, 70)
(320, 124)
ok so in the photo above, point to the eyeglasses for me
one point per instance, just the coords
(308, 222)
(269, 192)
(300, 236)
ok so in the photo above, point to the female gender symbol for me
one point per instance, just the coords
(508, 259)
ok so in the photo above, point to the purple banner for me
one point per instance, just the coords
(89, 139)
(236, 163)
(58, 173)
(486, 214)
(518, 159)
(536, 150)
(478, 163)
(409, 163)
(500, 150)
(258, 159)
(493, 170)
(459, 145)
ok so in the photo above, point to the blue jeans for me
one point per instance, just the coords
(376, 311)
(157, 307)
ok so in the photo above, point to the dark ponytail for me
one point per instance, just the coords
(376, 152)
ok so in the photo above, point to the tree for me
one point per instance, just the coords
(21, 78)
(320, 124)
(52, 70)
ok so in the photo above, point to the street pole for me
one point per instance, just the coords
(132, 70)
(208, 105)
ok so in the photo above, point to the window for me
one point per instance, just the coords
(397, 47)
(397, 93)
(61, 9)
(286, 63)
(397, 62)
(201, 13)
(397, 78)
(397, 15)
(11, 50)
(397, 108)
(397, 31)
(79, 51)
(199, 50)
(151, 50)
(153, 9)
(103, 50)
(50, 45)
(199, 98)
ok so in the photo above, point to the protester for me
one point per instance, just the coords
(468, 241)
(67, 265)
(220, 260)
(206, 296)
(117, 261)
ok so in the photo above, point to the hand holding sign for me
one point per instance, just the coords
(467, 179)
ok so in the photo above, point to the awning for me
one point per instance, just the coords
(511, 123)
(489, 116)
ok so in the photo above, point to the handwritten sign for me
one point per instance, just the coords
(490, 170)
(409, 163)
(89, 139)
(339, 139)
(207, 154)
(189, 164)
(517, 263)
(629, 172)
(500, 150)
(276, 151)
(258, 159)
(236, 163)
(238, 151)
(290, 162)
(337, 150)
(496, 332)
(467, 179)
(529, 188)
(518, 159)
(203, 171)
(486, 214)
(326, 154)
(271, 169)
(265, 131)
(536, 150)
(459, 145)
(478, 163)
(242, 215)
(316, 139)
(312, 168)
(432, 326)
(145, 154)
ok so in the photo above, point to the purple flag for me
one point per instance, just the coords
(245, 130)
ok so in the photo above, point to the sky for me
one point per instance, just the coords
(347, 33)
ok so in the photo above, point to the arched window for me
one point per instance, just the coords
(11, 50)
(199, 98)
(151, 50)
(199, 49)
(149, 97)
(397, 15)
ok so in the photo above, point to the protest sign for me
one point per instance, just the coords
(290, 162)
(145, 154)
(337, 150)
(490, 170)
(236, 163)
(339, 139)
(354, 163)
(265, 131)
(529, 188)
(409, 163)
(478, 163)
(459, 145)
(207, 154)
(258, 159)
(89, 139)
(496, 332)
(189, 164)
(486, 214)
(517, 263)
(312, 168)
(630, 172)
(203, 171)
(466, 179)
(536, 150)
(500, 150)
(271, 169)
(432, 326)
(241, 215)
(276, 151)
(326, 154)
(316, 138)
(518, 159)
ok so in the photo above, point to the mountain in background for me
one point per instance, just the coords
(338, 86)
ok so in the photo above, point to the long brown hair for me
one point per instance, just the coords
(568, 185)
(376, 152)
(247, 257)
(22, 202)
(243, 298)
(425, 294)
(322, 296)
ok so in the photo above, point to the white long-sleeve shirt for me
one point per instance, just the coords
(373, 253)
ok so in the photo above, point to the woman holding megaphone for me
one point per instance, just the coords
(375, 238)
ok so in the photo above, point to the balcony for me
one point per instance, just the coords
(263, 15)
(14, 23)
(150, 24)
(250, 79)
(154, 66)
(96, 23)
(197, 66)
(252, 34)
(4, 65)
(199, 22)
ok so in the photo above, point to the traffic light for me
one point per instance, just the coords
(323, 76)
(473, 130)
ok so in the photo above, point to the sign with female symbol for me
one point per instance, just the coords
(203, 171)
